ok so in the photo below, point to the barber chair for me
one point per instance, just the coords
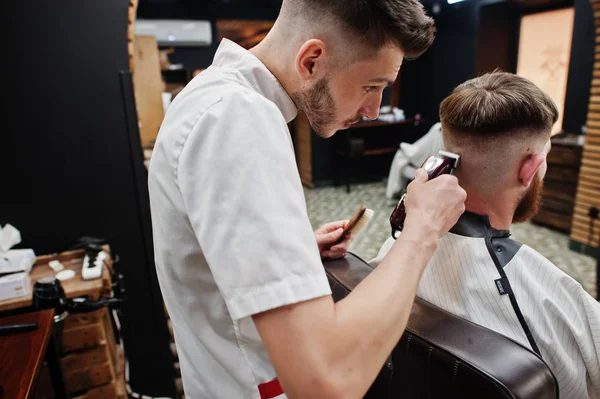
(445, 356)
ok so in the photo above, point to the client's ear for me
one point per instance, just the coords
(530, 166)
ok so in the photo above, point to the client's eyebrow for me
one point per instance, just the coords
(388, 82)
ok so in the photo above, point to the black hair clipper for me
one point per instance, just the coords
(443, 162)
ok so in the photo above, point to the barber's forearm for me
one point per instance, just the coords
(373, 317)
(327, 350)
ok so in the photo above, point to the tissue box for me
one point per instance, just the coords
(14, 286)
(17, 260)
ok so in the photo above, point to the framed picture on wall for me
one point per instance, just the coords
(544, 53)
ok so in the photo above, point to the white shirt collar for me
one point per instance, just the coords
(231, 55)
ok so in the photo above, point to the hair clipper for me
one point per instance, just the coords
(443, 162)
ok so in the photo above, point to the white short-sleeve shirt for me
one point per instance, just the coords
(231, 233)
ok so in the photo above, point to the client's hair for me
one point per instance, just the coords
(492, 121)
(498, 103)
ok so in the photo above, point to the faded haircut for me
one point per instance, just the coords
(373, 23)
(495, 105)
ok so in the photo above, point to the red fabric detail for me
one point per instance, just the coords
(270, 390)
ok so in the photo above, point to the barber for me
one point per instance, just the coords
(238, 263)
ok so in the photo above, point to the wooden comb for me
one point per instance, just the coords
(356, 224)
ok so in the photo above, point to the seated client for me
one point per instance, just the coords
(500, 124)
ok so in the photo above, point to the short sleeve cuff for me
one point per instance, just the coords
(275, 295)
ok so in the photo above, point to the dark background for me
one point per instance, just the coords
(72, 163)
(473, 37)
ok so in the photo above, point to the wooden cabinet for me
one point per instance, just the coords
(92, 359)
(367, 148)
(560, 184)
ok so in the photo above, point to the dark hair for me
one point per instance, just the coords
(498, 102)
(378, 22)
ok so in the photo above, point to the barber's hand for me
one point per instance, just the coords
(434, 205)
(328, 234)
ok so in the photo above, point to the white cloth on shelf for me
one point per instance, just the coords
(412, 156)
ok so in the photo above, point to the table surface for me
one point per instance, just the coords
(73, 287)
(22, 354)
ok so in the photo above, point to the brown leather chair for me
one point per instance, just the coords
(442, 355)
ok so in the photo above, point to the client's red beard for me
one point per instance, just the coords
(530, 203)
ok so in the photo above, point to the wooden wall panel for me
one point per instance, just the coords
(583, 230)
(303, 148)
(131, 15)
(148, 87)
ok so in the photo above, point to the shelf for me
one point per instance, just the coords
(376, 151)
(360, 125)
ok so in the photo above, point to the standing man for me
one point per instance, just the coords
(239, 266)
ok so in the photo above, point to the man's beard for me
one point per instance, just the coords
(529, 205)
(318, 105)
